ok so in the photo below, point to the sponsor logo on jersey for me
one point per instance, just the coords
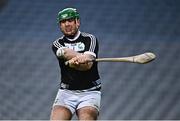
(76, 46)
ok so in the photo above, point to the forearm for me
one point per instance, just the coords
(78, 61)
(69, 54)
(82, 67)
(66, 53)
(82, 62)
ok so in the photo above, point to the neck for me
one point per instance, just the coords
(72, 38)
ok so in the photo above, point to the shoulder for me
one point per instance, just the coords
(57, 42)
(91, 36)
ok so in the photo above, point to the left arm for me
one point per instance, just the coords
(81, 62)
(84, 61)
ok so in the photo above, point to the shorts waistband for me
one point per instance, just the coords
(66, 86)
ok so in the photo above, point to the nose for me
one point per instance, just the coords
(66, 23)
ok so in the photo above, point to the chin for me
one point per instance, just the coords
(70, 35)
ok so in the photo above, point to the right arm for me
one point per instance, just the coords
(62, 52)
(67, 54)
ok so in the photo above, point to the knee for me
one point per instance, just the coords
(87, 114)
(60, 113)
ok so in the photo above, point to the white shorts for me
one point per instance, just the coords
(74, 100)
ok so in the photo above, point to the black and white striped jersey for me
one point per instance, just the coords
(74, 79)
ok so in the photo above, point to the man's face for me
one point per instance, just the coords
(69, 27)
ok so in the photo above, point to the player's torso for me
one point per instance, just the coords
(74, 78)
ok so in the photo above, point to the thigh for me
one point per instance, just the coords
(64, 106)
(88, 108)
(66, 99)
(60, 113)
(87, 113)
(90, 99)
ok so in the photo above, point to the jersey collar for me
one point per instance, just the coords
(75, 38)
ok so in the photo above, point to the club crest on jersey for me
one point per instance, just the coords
(76, 46)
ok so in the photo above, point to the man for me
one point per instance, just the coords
(80, 82)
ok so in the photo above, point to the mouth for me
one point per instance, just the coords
(68, 29)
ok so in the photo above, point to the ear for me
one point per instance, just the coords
(77, 23)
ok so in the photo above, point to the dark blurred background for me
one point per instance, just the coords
(29, 73)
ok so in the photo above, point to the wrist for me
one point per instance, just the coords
(90, 53)
(60, 52)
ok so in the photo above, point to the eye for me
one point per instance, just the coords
(67, 20)
(70, 20)
(63, 21)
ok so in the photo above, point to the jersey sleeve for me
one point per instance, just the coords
(93, 45)
(56, 45)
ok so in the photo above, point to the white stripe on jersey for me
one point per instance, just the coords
(93, 41)
(57, 44)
